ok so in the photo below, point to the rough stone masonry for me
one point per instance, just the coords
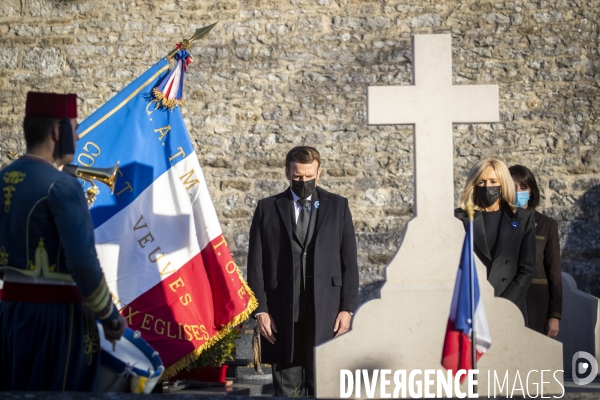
(274, 74)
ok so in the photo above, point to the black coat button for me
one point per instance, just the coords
(507, 261)
(503, 279)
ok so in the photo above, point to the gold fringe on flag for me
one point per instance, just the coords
(238, 319)
(162, 101)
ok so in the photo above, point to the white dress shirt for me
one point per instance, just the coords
(298, 206)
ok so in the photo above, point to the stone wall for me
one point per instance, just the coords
(274, 74)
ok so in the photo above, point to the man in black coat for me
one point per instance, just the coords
(302, 267)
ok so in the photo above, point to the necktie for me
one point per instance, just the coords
(303, 219)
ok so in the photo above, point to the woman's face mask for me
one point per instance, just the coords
(523, 193)
(488, 189)
(487, 195)
(522, 199)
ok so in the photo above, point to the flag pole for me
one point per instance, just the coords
(471, 212)
(185, 44)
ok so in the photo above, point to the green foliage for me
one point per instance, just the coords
(218, 353)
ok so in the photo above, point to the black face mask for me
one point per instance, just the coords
(487, 195)
(304, 188)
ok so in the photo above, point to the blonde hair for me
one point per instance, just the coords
(507, 186)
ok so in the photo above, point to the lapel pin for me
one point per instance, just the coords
(317, 204)
(514, 224)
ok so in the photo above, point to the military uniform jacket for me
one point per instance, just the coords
(511, 269)
(46, 230)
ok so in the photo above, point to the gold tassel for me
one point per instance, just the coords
(165, 102)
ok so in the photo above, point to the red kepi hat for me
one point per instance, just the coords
(51, 105)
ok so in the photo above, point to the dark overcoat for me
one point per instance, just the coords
(333, 258)
(544, 296)
(511, 269)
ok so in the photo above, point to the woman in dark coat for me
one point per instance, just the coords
(544, 296)
(504, 235)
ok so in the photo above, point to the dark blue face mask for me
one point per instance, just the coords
(303, 189)
(521, 199)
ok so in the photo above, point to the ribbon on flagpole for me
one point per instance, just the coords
(169, 92)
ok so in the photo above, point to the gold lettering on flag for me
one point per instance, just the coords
(163, 132)
(188, 182)
(130, 315)
(162, 330)
(127, 184)
(164, 271)
(222, 242)
(177, 284)
(180, 153)
(162, 327)
(231, 269)
(169, 331)
(146, 320)
(89, 155)
(149, 104)
(154, 255)
(157, 257)
(187, 297)
(136, 227)
(146, 239)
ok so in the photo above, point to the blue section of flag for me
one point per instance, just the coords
(146, 141)
(463, 321)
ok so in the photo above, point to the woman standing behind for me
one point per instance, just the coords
(544, 296)
(504, 236)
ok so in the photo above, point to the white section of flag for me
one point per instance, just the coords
(482, 329)
(180, 222)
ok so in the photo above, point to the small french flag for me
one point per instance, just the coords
(457, 351)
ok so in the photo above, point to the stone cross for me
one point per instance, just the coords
(432, 104)
(405, 328)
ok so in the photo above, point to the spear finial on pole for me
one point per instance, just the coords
(169, 92)
(185, 44)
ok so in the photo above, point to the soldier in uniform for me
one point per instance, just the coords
(54, 288)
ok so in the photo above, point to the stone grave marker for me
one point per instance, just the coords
(404, 329)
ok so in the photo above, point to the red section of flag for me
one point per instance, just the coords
(189, 310)
(456, 354)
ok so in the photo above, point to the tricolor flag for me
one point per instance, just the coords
(456, 354)
(158, 238)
